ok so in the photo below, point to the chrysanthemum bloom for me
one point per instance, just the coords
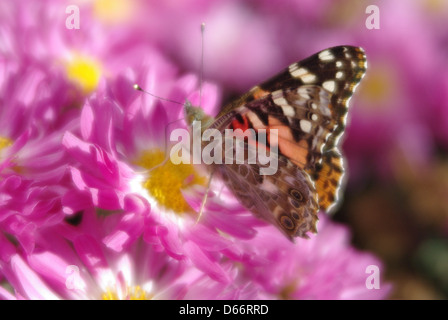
(87, 269)
(325, 266)
(35, 113)
(100, 46)
(120, 144)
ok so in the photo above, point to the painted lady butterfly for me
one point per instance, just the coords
(307, 103)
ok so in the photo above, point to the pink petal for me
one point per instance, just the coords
(50, 266)
(32, 285)
(205, 263)
(90, 253)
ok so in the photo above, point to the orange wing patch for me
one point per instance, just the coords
(328, 178)
(295, 151)
(258, 93)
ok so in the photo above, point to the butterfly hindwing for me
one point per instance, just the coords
(287, 199)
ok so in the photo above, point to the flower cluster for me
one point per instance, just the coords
(91, 209)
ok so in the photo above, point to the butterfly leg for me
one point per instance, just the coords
(204, 199)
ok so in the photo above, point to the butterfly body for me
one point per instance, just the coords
(304, 108)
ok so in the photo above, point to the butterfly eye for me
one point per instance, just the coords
(286, 222)
(296, 195)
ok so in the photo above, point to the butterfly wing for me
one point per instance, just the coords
(307, 106)
(319, 86)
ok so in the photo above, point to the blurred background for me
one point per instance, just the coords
(396, 200)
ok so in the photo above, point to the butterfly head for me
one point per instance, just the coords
(196, 114)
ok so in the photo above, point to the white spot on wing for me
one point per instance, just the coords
(302, 73)
(309, 78)
(314, 117)
(303, 93)
(339, 75)
(256, 122)
(280, 101)
(339, 64)
(293, 67)
(305, 125)
(277, 94)
(298, 72)
(268, 186)
(288, 110)
(326, 55)
(329, 85)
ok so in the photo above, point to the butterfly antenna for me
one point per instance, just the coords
(167, 156)
(138, 88)
(201, 79)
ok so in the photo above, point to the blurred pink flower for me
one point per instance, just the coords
(390, 115)
(440, 105)
(324, 267)
(245, 41)
(99, 49)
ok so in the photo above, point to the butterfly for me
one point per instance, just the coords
(306, 105)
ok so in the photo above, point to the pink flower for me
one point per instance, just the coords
(394, 113)
(121, 139)
(323, 267)
(95, 50)
(245, 41)
(87, 269)
(34, 115)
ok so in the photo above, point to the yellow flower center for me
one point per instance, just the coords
(378, 86)
(165, 182)
(5, 142)
(113, 11)
(289, 288)
(132, 293)
(342, 13)
(435, 6)
(84, 72)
